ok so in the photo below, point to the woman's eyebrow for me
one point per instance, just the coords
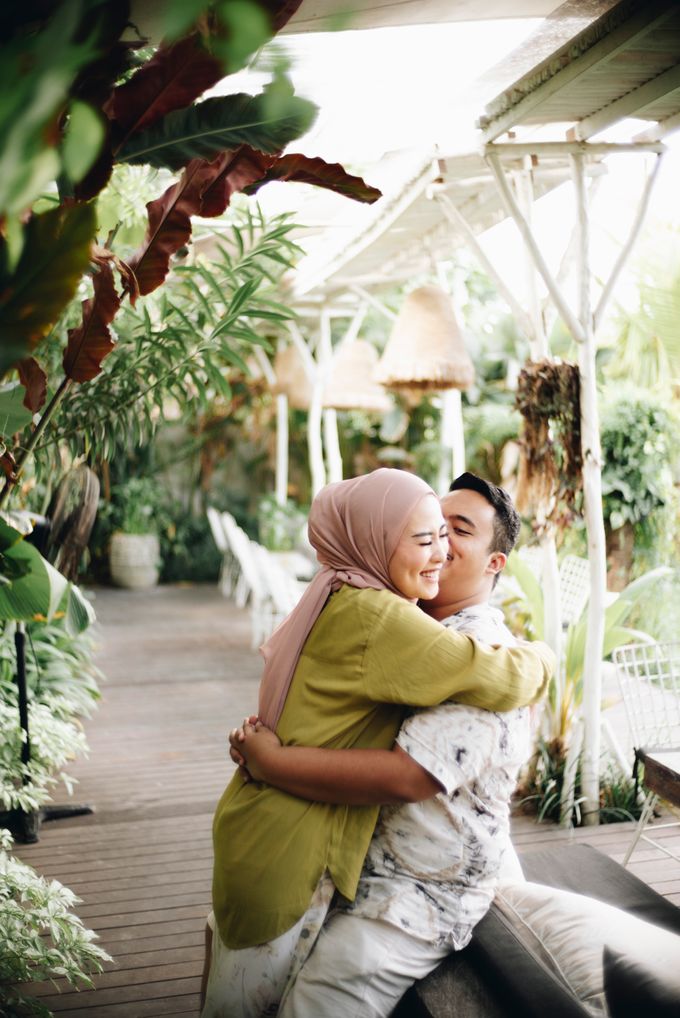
(429, 533)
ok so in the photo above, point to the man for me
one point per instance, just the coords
(431, 868)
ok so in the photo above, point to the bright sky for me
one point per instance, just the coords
(391, 88)
(412, 88)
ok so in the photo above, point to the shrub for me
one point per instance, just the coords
(40, 937)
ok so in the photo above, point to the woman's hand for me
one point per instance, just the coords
(253, 748)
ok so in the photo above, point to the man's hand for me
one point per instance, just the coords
(253, 748)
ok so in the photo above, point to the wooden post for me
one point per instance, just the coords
(592, 497)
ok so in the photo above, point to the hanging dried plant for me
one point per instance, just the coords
(548, 397)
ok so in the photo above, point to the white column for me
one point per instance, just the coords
(282, 449)
(592, 497)
(452, 439)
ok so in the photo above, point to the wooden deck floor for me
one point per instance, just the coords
(180, 673)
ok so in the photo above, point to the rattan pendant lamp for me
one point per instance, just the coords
(291, 378)
(426, 353)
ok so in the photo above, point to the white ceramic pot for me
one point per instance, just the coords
(134, 560)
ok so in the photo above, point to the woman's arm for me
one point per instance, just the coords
(354, 777)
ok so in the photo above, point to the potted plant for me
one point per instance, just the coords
(134, 549)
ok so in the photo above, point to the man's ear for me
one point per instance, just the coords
(496, 562)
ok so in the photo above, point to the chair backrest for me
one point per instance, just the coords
(532, 556)
(283, 589)
(649, 679)
(240, 546)
(574, 587)
(217, 530)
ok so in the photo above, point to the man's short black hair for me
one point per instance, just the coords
(506, 521)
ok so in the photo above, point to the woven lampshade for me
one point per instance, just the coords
(291, 378)
(425, 352)
(350, 384)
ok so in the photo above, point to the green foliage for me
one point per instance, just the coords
(266, 122)
(639, 446)
(566, 688)
(37, 70)
(645, 341)
(31, 585)
(55, 741)
(62, 685)
(136, 507)
(176, 353)
(280, 526)
(56, 251)
(58, 665)
(540, 792)
(188, 550)
(40, 936)
(488, 428)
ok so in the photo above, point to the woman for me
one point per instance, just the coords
(339, 672)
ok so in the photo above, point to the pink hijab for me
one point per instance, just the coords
(354, 527)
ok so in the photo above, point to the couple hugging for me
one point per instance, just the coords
(355, 714)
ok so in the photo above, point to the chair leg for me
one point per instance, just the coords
(647, 810)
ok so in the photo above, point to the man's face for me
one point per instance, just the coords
(470, 566)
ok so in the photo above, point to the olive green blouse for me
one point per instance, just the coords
(369, 654)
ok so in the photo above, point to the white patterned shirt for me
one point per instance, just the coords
(432, 866)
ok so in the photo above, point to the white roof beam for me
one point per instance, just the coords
(653, 15)
(630, 105)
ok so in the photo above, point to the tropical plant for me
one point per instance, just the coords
(176, 351)
(566, 688)
(640, 434)
(59, 666)
(645, 340)
(543, 783)
(280, 526)
(72, 110)
(40, 937)
(541, 790)
(136, 506)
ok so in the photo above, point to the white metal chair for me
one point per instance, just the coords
(283, 591)
(574, 587)
(574, 580)
(250, 588)
(229, 568)
(649, 679)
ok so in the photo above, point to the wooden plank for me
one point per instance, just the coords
(143, 862)
(99, 998)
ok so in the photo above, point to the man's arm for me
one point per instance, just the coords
(354, 777)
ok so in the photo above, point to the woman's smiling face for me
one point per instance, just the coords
(421, 552)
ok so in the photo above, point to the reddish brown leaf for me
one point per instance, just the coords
(312, 170)
(238, 170)
(169, 227)
(101, 255)
(89, 344)
(172, 79)
(281, 11)
(8, 465)
(175, 76)
(34, 380)
(205, 188)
